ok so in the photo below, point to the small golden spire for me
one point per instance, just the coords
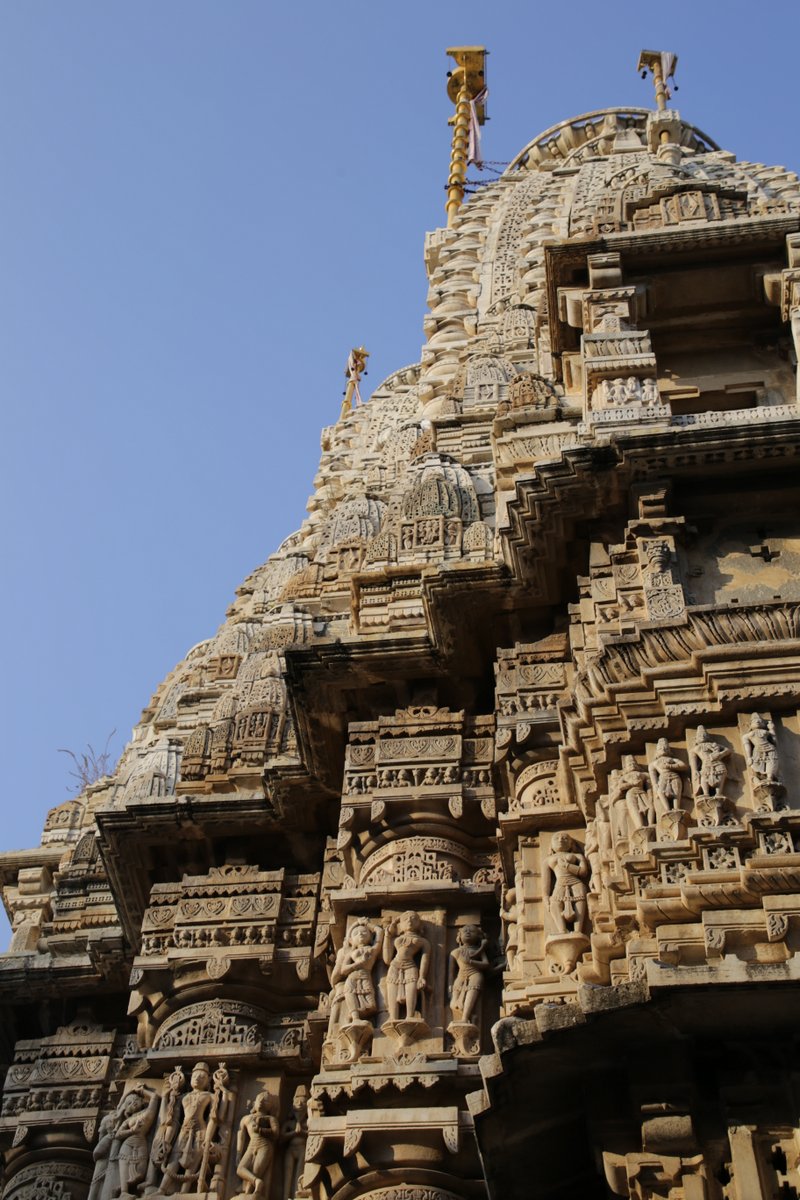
(464, 87)
(662, 64)
(356, 367)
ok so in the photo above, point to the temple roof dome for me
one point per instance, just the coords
(595, 135)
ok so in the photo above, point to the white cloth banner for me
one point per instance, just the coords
(668, 70)
(474, 147)
(352, 375)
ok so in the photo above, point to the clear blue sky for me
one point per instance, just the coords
(204, 205)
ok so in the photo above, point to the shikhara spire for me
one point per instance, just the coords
(461, 862)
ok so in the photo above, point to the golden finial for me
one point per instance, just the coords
(356, 367)
(466, 87)
(662, 64)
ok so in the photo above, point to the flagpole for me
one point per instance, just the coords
(464, 86)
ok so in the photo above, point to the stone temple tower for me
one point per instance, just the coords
(463, 860)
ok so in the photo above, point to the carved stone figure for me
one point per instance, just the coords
(104, 1180)
(137, 1117)
(509, 917)
(294, 1135)
(255, 1145)
(665, 775)
(469, 965)
(708, 765)
(658, 556)
(353, 1000)
(631, 799)
(650, 392)
(201, 1114)
(167, 1128)
(352, 972)
(406, 978)
(592, 849)
(565, 885)
(709, 775)
(761, 750)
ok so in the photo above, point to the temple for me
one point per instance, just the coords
(463, 861)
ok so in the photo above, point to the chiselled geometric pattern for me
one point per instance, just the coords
(463, 860)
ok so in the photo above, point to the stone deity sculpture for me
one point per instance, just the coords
(665, 775)
(631, 799)
(761, 750)
(565, 885)
(137, 1114)
(406, 978)
(469, 965)
(708, 764)
(294, 1134)
(709, 774)
(352, 973)
(509, 917)
(193, 1146)
(167, 1128)
(255, 1145)
(105, 1179)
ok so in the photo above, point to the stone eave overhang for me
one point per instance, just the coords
(14, 861)
(126, 835)
(547, 1064)
(597, 478)
(723, 239)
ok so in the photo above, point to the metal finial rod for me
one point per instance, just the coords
(356, 367)
(662, 64)
(464, 85)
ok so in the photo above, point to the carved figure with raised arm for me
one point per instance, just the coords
(138, 1114)
(468, 967)
(406, 978)
(352, 971)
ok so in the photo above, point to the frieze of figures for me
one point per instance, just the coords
(197, 1131)
(394, 976)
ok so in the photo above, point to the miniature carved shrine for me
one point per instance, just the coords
(463, 861)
